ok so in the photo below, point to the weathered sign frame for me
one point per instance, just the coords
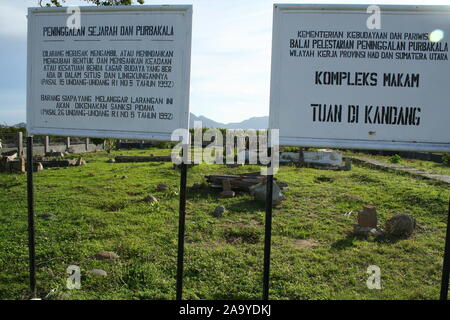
(276, 75)
(183, 123)
(182, 108)
(339, 143)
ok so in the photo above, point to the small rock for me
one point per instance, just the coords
(227, 194)
(219, 211)
(99, 272)
(124, 177)
(162, 187)
(106, 255)
(150, 198)
(111, 160)
(368, 217)
(401, 225)
(91, 174)
(46, 216)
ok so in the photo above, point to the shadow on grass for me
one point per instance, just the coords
(348, 241)
(247, 206)
(345, 243)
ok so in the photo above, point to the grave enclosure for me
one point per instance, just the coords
(347, 88)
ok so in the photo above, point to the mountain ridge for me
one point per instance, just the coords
(256, 123)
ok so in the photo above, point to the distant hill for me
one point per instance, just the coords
(252, 123)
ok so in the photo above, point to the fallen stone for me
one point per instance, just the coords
(55, 154)
(227, 194)
(91, 174)
(401, 225)
(39, 167)
(366, 231)
(124, 177)
(99, 272)
(10, 153)
(259, 192)
(219, 211)
(106, 255)
(368, 217)
(150, 198)
(162, 187)
(111, 161)
(11, 157)
(57, 163)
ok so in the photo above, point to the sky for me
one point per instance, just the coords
(230, 66)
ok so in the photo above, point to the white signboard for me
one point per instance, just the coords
(338, 81)
(122, 72)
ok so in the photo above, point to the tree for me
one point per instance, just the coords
(58, 3)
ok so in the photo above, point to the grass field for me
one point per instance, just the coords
(313, 257)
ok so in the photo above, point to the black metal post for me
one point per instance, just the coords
(446, 264)
(181, 230)
(268, 228)
(31, 236)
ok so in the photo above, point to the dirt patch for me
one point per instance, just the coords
(305, 243)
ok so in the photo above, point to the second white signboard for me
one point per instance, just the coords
(338, 81)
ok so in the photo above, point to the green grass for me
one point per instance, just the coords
(224, 256)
